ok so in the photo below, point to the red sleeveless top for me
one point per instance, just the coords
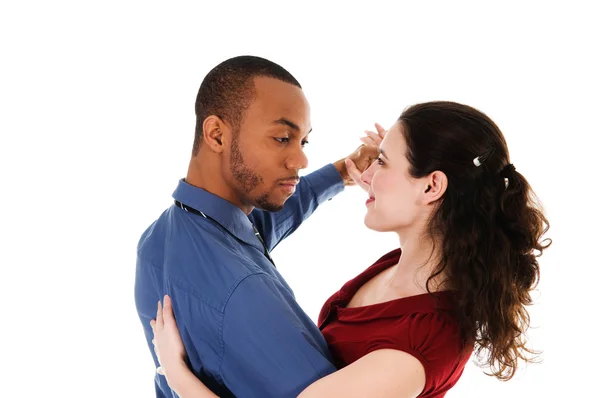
(421, 326)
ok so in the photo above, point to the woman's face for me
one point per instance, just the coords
(396, 200)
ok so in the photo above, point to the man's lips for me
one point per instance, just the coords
(292, 182)
(289, 185)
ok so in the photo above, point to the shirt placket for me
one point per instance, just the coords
(266, 251)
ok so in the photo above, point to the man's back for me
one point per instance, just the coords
(240, 323)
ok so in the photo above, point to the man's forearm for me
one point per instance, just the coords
(340, 166)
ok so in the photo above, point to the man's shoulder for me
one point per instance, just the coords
(260, 291)
(172, 224)
(174, 234)
(195, 255)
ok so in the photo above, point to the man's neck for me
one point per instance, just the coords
(208, 176)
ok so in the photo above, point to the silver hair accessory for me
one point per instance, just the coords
(506, 172)
(478, 160)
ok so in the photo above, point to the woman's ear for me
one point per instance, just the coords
(435, 186)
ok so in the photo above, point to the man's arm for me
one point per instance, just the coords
(315, 189)
(312, 190)
(270, 347)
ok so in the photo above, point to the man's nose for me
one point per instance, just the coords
(297, 160)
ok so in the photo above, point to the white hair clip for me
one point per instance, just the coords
(477, 162)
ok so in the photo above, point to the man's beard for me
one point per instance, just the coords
(248, 180)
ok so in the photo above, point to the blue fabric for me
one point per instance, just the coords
(243, 330)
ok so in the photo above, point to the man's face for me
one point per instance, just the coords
(267, 152)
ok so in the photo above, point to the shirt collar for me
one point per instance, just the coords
(229, 216)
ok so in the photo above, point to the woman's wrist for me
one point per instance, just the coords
(186, 384)
(178, 375)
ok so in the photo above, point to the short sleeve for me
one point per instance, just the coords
(433, 338)
(271, 349)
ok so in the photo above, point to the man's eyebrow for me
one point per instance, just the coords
(382, 153)
(289, 123)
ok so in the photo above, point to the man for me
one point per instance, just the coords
(242, 328)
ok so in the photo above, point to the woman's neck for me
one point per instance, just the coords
(419, 260)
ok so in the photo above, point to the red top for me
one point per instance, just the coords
(421, 326)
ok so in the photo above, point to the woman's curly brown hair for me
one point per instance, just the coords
(489, 224)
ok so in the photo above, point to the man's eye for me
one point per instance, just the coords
(304, 143)
(282, 140)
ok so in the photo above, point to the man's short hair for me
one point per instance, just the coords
(228, 90)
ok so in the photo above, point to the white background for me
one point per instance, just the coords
(97, 121)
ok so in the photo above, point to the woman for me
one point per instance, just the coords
(469, 229)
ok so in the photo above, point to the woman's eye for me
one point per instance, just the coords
(282, 140)
(380, 162)
(304, 143)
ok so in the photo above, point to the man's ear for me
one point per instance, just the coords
(215, 133)
(435, 185)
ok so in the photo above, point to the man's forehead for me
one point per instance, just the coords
(283, 121)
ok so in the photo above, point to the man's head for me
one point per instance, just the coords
(252, 121)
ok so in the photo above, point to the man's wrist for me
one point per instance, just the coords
(340, 166)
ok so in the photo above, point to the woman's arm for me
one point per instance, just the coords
(171, 355)
(381, 373)
(187, 385)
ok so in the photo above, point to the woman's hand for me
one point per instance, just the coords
(168, 345)
(171, 355)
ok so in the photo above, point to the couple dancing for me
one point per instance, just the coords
(469, 233)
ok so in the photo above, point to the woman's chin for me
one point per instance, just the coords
(372, 224)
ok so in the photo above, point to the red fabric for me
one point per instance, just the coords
(421, 326)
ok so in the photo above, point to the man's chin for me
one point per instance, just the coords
(270, 205)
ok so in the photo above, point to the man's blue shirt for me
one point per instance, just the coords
(242, 328)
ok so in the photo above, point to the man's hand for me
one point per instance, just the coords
(358, 161)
